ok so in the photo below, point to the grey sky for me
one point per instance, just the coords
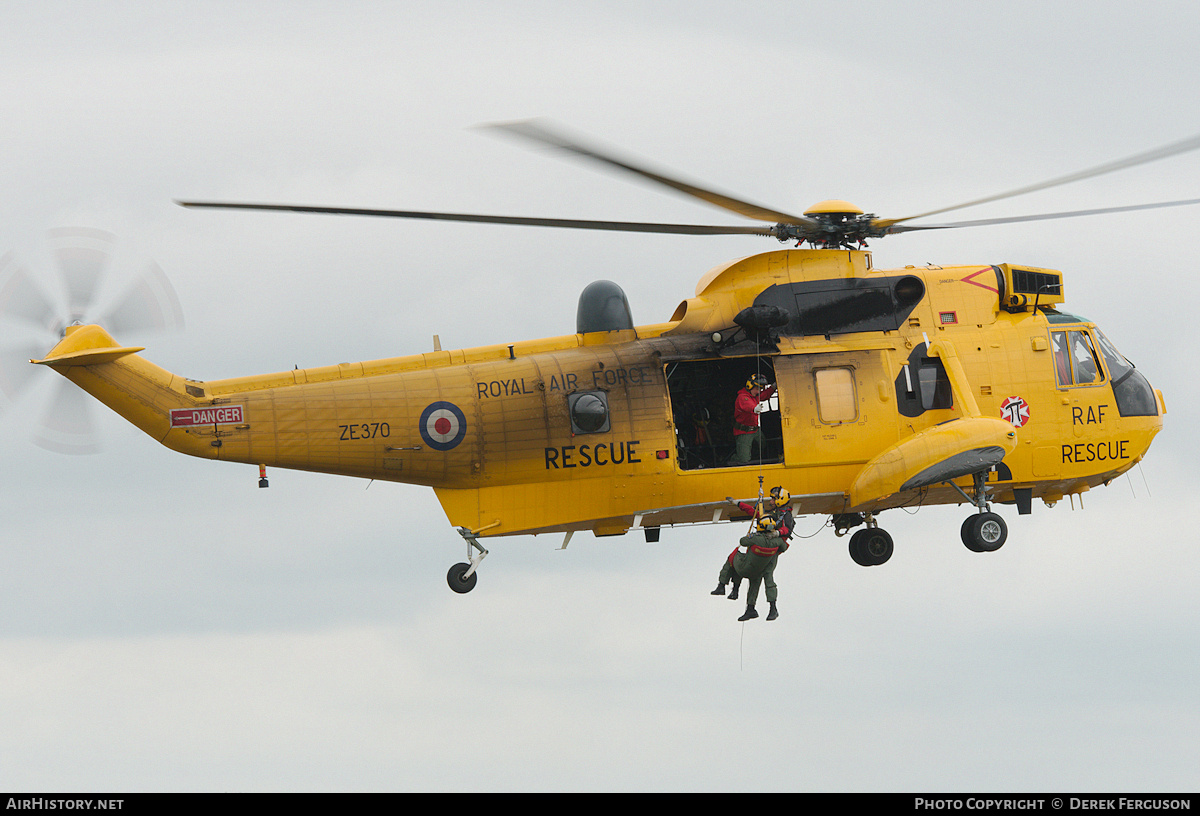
(165, 625)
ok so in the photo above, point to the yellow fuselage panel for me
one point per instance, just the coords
(501, 422)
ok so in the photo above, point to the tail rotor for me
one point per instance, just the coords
(87, 268)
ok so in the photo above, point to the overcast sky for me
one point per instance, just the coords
(166, 625)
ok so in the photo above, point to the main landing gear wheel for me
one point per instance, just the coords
(871, 547)
(458, 579)
(984, 532)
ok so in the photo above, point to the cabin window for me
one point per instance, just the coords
(1075, 360)
(836, 402)
(702, 396)
(588, 411)
(922, 385)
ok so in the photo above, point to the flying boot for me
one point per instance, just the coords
(720, 590)
(774, 613)
(733, 596)
(749, 613)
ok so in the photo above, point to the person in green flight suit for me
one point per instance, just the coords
(755, 511)
(785, 524)
(776, 510)
(761, 548)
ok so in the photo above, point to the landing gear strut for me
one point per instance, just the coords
(462, 577)
(985, 531)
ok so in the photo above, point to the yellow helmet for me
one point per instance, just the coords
(766, 525)
(757, 381)
(781, 496)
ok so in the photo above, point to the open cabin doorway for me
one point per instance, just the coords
(702, 396)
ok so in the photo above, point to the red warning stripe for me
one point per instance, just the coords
(969, 279)
(214, 415)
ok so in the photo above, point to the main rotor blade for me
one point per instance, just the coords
(1173, 149)
(536, 132)
(983, 222)
(570, 223)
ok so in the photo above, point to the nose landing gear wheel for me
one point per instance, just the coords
(458, 579)
(984, 532)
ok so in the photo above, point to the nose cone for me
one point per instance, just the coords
(1134, 395)
(1141, 408)
(1161, 405)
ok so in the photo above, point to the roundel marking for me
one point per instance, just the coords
(1015, 410)
(443, 425)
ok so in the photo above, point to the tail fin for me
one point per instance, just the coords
(133, 387)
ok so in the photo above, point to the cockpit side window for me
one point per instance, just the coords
(1062, 363)
(1075, 360)
(1083, 359)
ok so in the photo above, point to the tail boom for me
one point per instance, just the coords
(135, 388)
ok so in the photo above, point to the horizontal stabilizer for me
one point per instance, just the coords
(90, 357)
(86, 345)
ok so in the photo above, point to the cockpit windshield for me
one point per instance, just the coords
(1118, 366)
(1133, 393)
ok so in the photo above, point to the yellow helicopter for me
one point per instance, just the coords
(892, 388)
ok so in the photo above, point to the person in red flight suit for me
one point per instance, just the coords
(785, 523)
(746, 408)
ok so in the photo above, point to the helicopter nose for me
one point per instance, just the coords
(1141, 427)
